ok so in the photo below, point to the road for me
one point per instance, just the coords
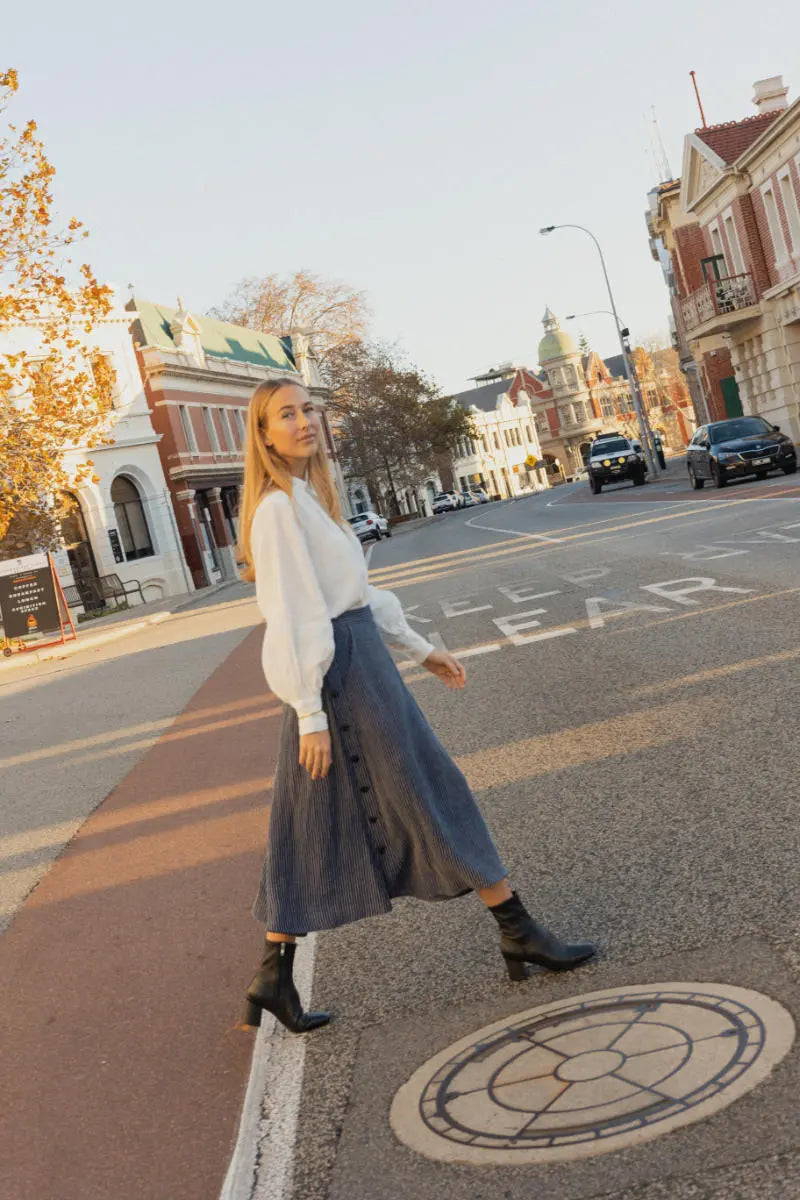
(629, 729)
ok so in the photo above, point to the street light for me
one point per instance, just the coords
(644, 432)
(596, 312)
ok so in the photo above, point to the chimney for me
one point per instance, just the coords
(769, 95)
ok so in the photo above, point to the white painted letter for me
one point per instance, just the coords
(455, 608)
(616, 608)
(679, 590)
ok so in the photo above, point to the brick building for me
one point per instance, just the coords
(728, 237)
(199, 375)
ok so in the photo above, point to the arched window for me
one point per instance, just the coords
(130, 518)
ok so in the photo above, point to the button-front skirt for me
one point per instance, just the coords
(394, 817)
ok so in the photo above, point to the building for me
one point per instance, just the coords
(199, 375)
(122, 522)
(506, 437)
(731, 232)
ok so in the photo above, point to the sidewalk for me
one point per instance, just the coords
(116, 625)
(122, 974)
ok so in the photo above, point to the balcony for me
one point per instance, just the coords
(720, 304)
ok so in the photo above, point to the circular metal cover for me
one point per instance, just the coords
(591, 1074)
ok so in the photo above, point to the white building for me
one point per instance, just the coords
(507, 440)
(123, 524)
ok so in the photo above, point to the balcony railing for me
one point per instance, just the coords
(718, 298)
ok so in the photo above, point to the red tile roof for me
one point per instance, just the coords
(733, 138)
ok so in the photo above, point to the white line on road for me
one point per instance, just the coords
(538, 537)
(262, 1164)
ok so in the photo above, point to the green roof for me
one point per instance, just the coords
(218, 338)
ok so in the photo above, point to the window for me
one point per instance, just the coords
(716, 243)
(234, 440)
(242, 427)
(607, 405)
(130, 517)
(188, 428)
(227, 443)
(496, 441)
(774, 222)
(208, 417)
(529, 432)
(737, 262)
(789, 197)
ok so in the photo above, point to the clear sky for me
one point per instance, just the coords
(410, 149)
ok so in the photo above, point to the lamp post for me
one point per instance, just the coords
(637, 402)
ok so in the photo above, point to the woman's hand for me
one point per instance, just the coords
(445, 667)
(315, 753)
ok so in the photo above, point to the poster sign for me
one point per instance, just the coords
(28, 602)
(116, 548)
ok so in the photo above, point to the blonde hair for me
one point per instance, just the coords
(265, 470)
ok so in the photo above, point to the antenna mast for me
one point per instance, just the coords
(659, 153)
(699, 101)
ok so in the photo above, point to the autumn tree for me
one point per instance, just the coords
(331, 314)
(391, 424)
(52, 395)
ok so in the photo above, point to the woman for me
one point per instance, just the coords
(367, 804)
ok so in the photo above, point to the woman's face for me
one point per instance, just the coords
(293, 424)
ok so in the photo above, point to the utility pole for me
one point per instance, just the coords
(625, 347)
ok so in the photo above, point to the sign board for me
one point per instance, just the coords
(531, 461)
(28, 601)
(116, 548)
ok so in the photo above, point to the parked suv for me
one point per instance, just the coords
(444, 502)
(613, 457)
(368, 525)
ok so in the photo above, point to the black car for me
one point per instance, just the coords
(611, 459)
(740, 446)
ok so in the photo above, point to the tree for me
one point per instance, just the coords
(54, 396)
(332, 314)
(391, 424)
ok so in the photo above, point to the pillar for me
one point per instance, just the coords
(222, 537)
(186, 520)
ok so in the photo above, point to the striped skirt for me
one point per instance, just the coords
(394, 817)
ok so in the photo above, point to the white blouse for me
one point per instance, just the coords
(308, 571)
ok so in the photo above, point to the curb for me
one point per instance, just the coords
(30, 657)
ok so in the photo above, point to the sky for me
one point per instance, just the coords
(411, 150)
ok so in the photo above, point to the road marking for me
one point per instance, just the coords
(473, 651)
(423, 570)
(262, 1164)
(539, 537)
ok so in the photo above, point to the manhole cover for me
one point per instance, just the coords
(592, 1074)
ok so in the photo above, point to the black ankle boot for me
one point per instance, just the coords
(523, 940)
(273, 989)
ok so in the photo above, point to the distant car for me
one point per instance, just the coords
(740, 446)
(613, 458)
(370, 525)
(480, 495)
(444, 502)
(467, 498)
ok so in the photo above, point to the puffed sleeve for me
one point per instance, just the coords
(391, 620)
(298, 643)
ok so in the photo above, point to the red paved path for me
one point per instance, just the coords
(120, 978)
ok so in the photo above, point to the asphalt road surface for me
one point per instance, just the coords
(629, 728)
